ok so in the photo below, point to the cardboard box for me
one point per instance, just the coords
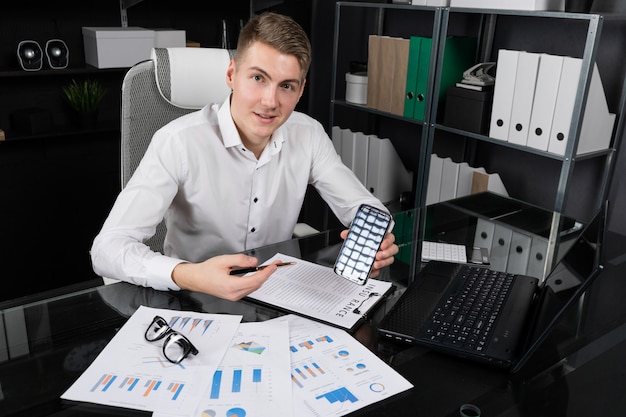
(554, 5)
(117, 47)
(169, 38)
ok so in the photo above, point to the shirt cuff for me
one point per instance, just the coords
(160, 273)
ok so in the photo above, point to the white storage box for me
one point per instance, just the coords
(169, 38)
(117, 47)
(535, 5)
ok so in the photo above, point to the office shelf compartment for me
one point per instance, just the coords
(537, 176)
(590, 38)
(47, 99)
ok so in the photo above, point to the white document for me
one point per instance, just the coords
(481, 181)
(537, 259)
(347, 147)
(434, 179)
(315, 291)
(518, 253)
(597, 124)
(254, 376)
(449, 179)
(546, 90)
(597, 127)
(496, 184)
(500, 246)
(464, 183)
(361, 156)
(332, 373)
(504, 89)
(564, 108)
(386, 175)
(483, 237)
(523, 96)
(132, 373)
(374, 164)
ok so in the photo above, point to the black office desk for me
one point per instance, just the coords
(52, 341)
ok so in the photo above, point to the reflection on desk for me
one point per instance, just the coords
(45, 345)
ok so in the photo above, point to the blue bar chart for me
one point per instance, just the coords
(226, 383)
(136, 386)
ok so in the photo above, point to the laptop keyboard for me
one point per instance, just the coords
(467, 314)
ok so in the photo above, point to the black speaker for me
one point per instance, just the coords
(57, 54)
(30, 55)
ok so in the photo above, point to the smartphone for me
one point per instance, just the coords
(358, 252)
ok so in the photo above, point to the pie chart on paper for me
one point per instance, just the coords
(208, 413)
(236, 412)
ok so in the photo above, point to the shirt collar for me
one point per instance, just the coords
(230, 134)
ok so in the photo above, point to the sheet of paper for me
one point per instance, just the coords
(253, 378)
(316, 291)
(332, 373)
(131, 372)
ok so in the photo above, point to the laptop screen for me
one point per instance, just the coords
(555, 331)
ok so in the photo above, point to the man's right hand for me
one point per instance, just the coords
(212, 276)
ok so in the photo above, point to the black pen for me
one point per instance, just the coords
(239, 271)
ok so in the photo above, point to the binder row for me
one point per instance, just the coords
(448, 180)
(533, 103)
(375, 162)
(512, 250)
(398, 71)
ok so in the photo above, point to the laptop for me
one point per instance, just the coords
(425, 315)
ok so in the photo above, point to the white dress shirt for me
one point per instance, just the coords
(216, 197)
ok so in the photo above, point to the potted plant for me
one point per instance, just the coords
(85, 98)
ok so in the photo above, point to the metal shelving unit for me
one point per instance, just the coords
(581, 36)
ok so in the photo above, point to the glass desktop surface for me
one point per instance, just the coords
(46, 344)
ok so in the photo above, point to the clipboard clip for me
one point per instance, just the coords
(370, 295)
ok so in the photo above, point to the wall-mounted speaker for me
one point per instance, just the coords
(30, 55)
(57, 54)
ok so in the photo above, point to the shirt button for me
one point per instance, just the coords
(255, 199)
(252, 230)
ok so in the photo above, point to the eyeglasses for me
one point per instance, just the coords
(176, 347)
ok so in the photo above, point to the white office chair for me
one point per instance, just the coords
(174, 82)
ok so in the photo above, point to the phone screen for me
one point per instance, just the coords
(358, 252)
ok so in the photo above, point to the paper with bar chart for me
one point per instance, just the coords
(253, 378)
(132, 373)
(332, 374)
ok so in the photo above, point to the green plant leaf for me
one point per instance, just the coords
(84, 96)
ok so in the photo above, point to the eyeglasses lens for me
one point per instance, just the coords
(176, 347)
(157, 329)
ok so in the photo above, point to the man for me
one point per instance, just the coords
(231, 177)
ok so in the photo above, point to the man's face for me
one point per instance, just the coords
(266, 88)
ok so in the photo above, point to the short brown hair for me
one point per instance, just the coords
(281, 33)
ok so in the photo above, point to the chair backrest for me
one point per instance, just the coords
(174, 82)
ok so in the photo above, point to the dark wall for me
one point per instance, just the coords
(59, 180)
